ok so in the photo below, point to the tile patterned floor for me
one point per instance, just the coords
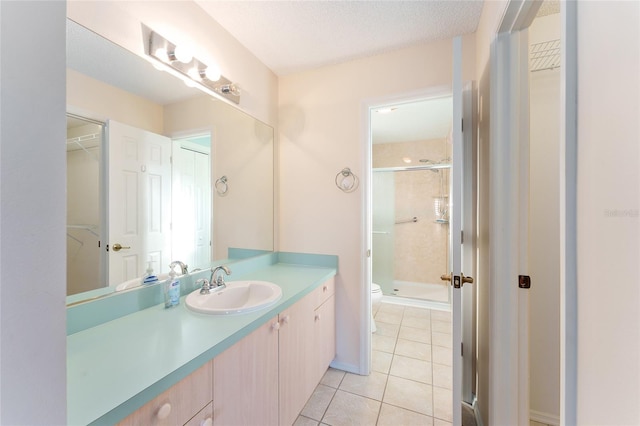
(411, 379)
(410, 382)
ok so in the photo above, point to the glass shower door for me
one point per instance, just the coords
(383, 238)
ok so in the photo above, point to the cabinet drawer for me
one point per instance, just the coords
(178, 404)
(161, 410)
(203, 418)
(324, 292)
(194, 392)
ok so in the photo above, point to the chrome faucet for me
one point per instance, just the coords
(206, 287)
(183, 267)
(217, 279)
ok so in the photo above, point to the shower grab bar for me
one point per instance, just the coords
(413, 219)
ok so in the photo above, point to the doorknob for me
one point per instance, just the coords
(447, 277)
(118, 247)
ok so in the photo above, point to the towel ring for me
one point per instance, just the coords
(346, 181)
(222, 186)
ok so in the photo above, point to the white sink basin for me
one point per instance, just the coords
(238, 297)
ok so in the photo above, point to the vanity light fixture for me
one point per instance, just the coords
(195, 72)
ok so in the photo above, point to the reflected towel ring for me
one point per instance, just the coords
(222, 186)
(346, 181)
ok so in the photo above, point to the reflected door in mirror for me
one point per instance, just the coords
(139, 202)
(191, 196)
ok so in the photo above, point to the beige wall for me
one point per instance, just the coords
(544, 231)
(94, 99)
(32, 214)
(321, 132)
(492, 12)
(608, 226)
(421, 248)
(243, 151)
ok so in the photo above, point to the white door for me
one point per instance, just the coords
(457, 207)
(139, 200)
(469, 246)
(191, 204)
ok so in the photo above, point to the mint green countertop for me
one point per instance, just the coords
(116, 367)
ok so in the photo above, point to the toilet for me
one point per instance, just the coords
(376, 298)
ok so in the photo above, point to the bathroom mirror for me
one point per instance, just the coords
(217, 204)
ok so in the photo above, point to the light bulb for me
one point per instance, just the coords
(190, 83)
(212, 73)
(161, 53)
(194, 73)
(183, 54)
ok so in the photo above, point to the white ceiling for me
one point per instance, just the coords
(293, 36)
(415, 121)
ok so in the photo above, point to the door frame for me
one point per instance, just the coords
(509, 114)
(366, 181)
(508, 305)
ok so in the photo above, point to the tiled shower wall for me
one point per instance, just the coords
(420, 248)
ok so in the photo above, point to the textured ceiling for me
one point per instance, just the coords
(292, 36)
(549, 7)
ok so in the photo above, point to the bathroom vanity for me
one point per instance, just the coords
(175, 366)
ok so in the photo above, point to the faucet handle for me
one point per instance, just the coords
(183, 267)
(206, 286)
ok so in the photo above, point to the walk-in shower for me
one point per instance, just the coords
(411, 232)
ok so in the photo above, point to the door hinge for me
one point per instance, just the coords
(461, 349)
(461, 237)
(524, 281)
(462, 125)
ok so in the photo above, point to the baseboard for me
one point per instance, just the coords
(546, 418)
(349, 368)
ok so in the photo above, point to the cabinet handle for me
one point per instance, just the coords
(325, 288)
(164, 411)
(207, 422)
(317, 317)
(275, 325)
(285, 319)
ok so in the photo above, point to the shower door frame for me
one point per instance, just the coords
(432, 303)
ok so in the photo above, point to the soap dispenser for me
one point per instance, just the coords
(171, 290)
(149, 277)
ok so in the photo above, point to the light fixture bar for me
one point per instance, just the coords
(170, 55)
